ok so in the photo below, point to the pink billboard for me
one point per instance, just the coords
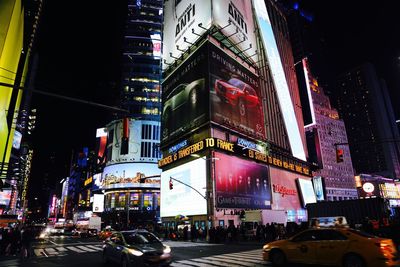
(241, 183)
(285, 195)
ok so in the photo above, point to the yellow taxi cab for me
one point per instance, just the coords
(336, 246)
(106, 233)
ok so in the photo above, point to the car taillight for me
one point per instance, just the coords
(385, 247)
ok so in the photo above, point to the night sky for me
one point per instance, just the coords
(79, 47)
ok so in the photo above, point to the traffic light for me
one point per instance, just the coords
(171, 185)
(339, 155)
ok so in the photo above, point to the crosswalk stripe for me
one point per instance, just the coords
(38, 252)
(178, 264)
(241, 258)
(86, 248)
(95, 247)
(61, 249)
(216, 262)
(76, 249)
(192, 263)
(51, 251)
(230, 260)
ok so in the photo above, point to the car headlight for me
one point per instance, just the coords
(167, 249)
(42, 235)
(265, 247)
(135, 252)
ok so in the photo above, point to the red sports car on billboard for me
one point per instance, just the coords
(237, 93)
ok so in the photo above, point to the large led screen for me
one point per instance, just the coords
(185, 96)
(181, 26)
(279, 79)
(5, 197)
(241, 183)
(306, 191)
(98, 203)
(131, 175)
(235, 95)
(181, 199)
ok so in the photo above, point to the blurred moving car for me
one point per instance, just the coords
(105, 233)
(136, 248)
(237, 93)
(332, 246)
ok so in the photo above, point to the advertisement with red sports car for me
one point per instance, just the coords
(235, 95)
(241, 183)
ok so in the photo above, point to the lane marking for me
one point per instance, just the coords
(86, 248)
(75, 249)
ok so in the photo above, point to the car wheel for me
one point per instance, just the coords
(353, 260)
(242, 107)
(277, 258)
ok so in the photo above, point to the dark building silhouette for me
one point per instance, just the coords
(365, 106)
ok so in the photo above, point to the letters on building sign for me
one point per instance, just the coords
(230, 147)
(283, 190)
(88, 181)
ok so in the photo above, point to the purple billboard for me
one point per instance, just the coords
(241, 183)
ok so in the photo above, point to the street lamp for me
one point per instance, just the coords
(209, 196)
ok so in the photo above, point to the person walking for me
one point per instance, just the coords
(26, 242)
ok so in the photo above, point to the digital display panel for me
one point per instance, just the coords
(235, 95)
(306, 191)
(181, 199)
(319, 187)
(98, 203)
(181, 26)
(241, 183)
(124, 175)
(279, 79)
(185, 96)
(5, 197)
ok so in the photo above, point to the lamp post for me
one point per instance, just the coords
(209, 195)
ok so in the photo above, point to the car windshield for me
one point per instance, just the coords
(140, 238)
(237, 83)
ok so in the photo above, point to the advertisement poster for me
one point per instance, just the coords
(181, 26)
(306, 191)
(5, 197)
(319, 187)
(241, 183)
(235, 95)
(126, 175)
(285, 195)
(238, 14)
(181, 199)
(185, 96)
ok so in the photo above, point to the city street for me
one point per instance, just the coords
(67, 251)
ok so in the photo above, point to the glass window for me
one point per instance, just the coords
(148, 200)
(135, 200)
(140, 238)
(312, 235)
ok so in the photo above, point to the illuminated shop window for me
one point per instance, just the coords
(148, 200)
(121, 200)
(302, 215)
(291, 215)
(112, 201)
(135, 199)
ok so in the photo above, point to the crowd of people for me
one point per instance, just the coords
(16, 240)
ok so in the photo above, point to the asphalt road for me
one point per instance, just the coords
(67, 251)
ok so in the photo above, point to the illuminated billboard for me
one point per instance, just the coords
(181, 199)
(319, 187)
(235, 95)
(241, 183)
(126, 175)
(279, 79)
(98, 203)
(307, 193)
(185, 95)
(238, 15)
(181, 26)
(5, 197)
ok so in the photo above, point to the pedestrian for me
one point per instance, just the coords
(26, 241)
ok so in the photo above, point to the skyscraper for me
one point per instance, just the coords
(365, 107)
(338, 176)
(141, 62)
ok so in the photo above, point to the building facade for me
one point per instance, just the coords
(331, 135)
(365, 107)
(231, 142)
